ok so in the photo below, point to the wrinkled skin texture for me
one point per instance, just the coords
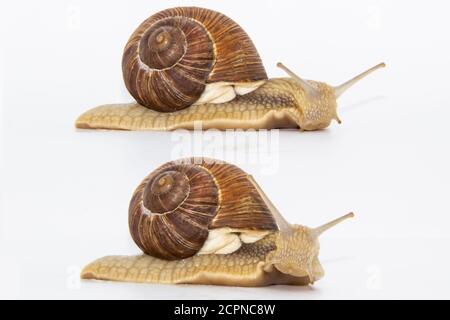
(280, 258)
(279, 103)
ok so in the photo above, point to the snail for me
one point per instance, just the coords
(203, 221)
(191, 65)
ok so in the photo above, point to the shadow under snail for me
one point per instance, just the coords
(191, 65)
(202, 221)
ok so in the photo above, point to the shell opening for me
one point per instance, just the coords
(221, 92)
(229, 240)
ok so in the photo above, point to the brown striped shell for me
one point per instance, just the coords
(174, 208)
(172, 55)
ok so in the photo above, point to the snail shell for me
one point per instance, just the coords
(175, 53)
(181, 204)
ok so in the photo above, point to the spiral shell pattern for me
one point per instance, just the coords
(174, 208)
(172, 55)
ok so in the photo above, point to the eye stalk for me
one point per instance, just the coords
(339, 90)
(319, 230)
(309, 89)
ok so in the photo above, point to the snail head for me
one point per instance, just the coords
(297, 251)
(317, 100)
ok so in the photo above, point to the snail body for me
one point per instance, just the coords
(186, 65)
(208, 222)
(273, 105)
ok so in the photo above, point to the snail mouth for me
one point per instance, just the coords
(292, 270)
(309, 275)
(279, 274)
(317, 269)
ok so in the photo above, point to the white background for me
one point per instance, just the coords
(65, 193)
